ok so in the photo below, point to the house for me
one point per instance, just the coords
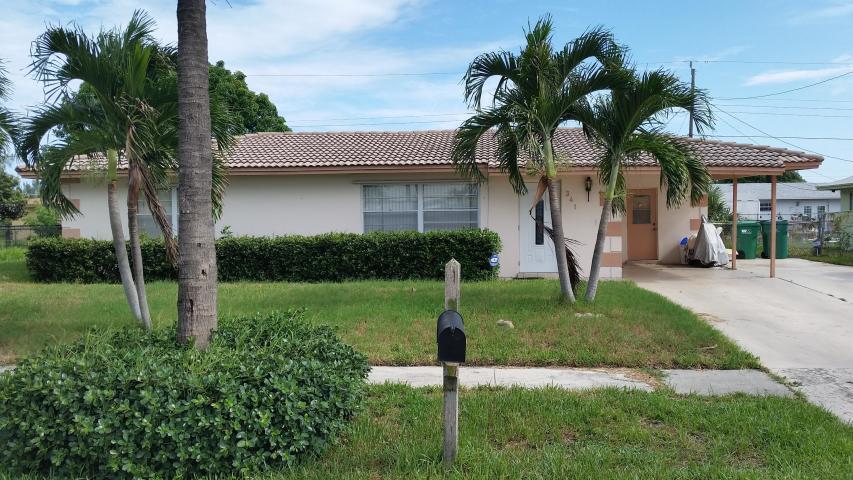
(311, 183)
(793, 200)
(844, 188)
(844, 219)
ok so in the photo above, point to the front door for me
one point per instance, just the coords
(642, 225)
(537, 249)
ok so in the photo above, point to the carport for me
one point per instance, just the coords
(778, 162)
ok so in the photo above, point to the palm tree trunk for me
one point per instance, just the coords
(595, 268)
(566, 290)
(135, 247)
(197, 252)
(121, 250)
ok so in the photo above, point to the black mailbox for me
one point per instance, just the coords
(450, 335)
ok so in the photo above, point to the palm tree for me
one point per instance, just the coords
(197, 263)
(126, 108)
(628, 125)
(8, 123)
(537, 90)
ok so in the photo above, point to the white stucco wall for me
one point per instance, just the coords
(92, 196)
(313, 204)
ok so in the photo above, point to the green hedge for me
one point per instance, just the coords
(322, 258)
(269, 390)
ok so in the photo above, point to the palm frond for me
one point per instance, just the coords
(467, 139)
(502, 64)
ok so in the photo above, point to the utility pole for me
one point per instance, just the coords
(692, 91)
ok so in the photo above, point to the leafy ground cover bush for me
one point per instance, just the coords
(270, 389)
(322, 258)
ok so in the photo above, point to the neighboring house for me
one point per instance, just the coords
(310, 183)
(844, 219)
(793, 200)
(844, 188)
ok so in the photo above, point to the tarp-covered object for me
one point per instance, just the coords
(709, 249)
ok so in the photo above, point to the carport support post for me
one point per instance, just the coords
(452, 278)
(772, 226)
(734, 223)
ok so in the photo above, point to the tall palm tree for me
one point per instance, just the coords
(126, 108)
(8, 123)
(197, 263)
(628, 125)
(537, 90)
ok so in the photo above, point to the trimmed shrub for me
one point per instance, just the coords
(330, 257)
(269, 390)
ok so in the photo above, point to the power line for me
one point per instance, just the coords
(781, 114)
(785, 107)
(781, 140)
(773, 62)
(374, 118)
(737, 129)
(389, 74)
(792, 89)
(821, 100)
(843, 139)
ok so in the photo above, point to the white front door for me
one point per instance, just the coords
(537, 249)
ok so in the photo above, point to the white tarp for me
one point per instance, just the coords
(709, 248)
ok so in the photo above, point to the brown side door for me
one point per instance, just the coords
(642, 224)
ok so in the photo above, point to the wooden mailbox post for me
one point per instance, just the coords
(452, 278)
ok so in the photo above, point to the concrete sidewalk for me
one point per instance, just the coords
(568, 378)
(702, 382)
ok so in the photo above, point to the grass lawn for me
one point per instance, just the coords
(836, 257)
(552, 434)
(601, 434)
(393, 322)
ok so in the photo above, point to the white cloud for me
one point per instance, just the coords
(787, 76)
(832, 11)
(275, 37)
(722, 54)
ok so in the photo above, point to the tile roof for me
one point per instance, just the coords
(275, 150)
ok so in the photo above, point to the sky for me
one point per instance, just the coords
(397, 64)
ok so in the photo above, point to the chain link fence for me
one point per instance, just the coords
(829, 232)
(20, 235)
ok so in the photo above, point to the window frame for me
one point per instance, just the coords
(763, 203)
(419, 188)
(173, 211)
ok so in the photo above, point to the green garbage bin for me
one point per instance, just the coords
(781, 238)
(747, 239)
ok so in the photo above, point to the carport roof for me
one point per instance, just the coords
(282, 151)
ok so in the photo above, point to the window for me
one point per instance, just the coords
(807, 211)
(389, 208)
(641, 209)
(540, 223)
(764, 205)
(449, 206)
(821, 211)
(147, 224)
(423, 207)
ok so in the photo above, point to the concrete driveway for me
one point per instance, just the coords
(800, 324)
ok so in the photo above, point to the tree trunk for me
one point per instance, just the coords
(135, 247)
(595, 268)
(566, 291)
(197, 252)
(121, 251)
